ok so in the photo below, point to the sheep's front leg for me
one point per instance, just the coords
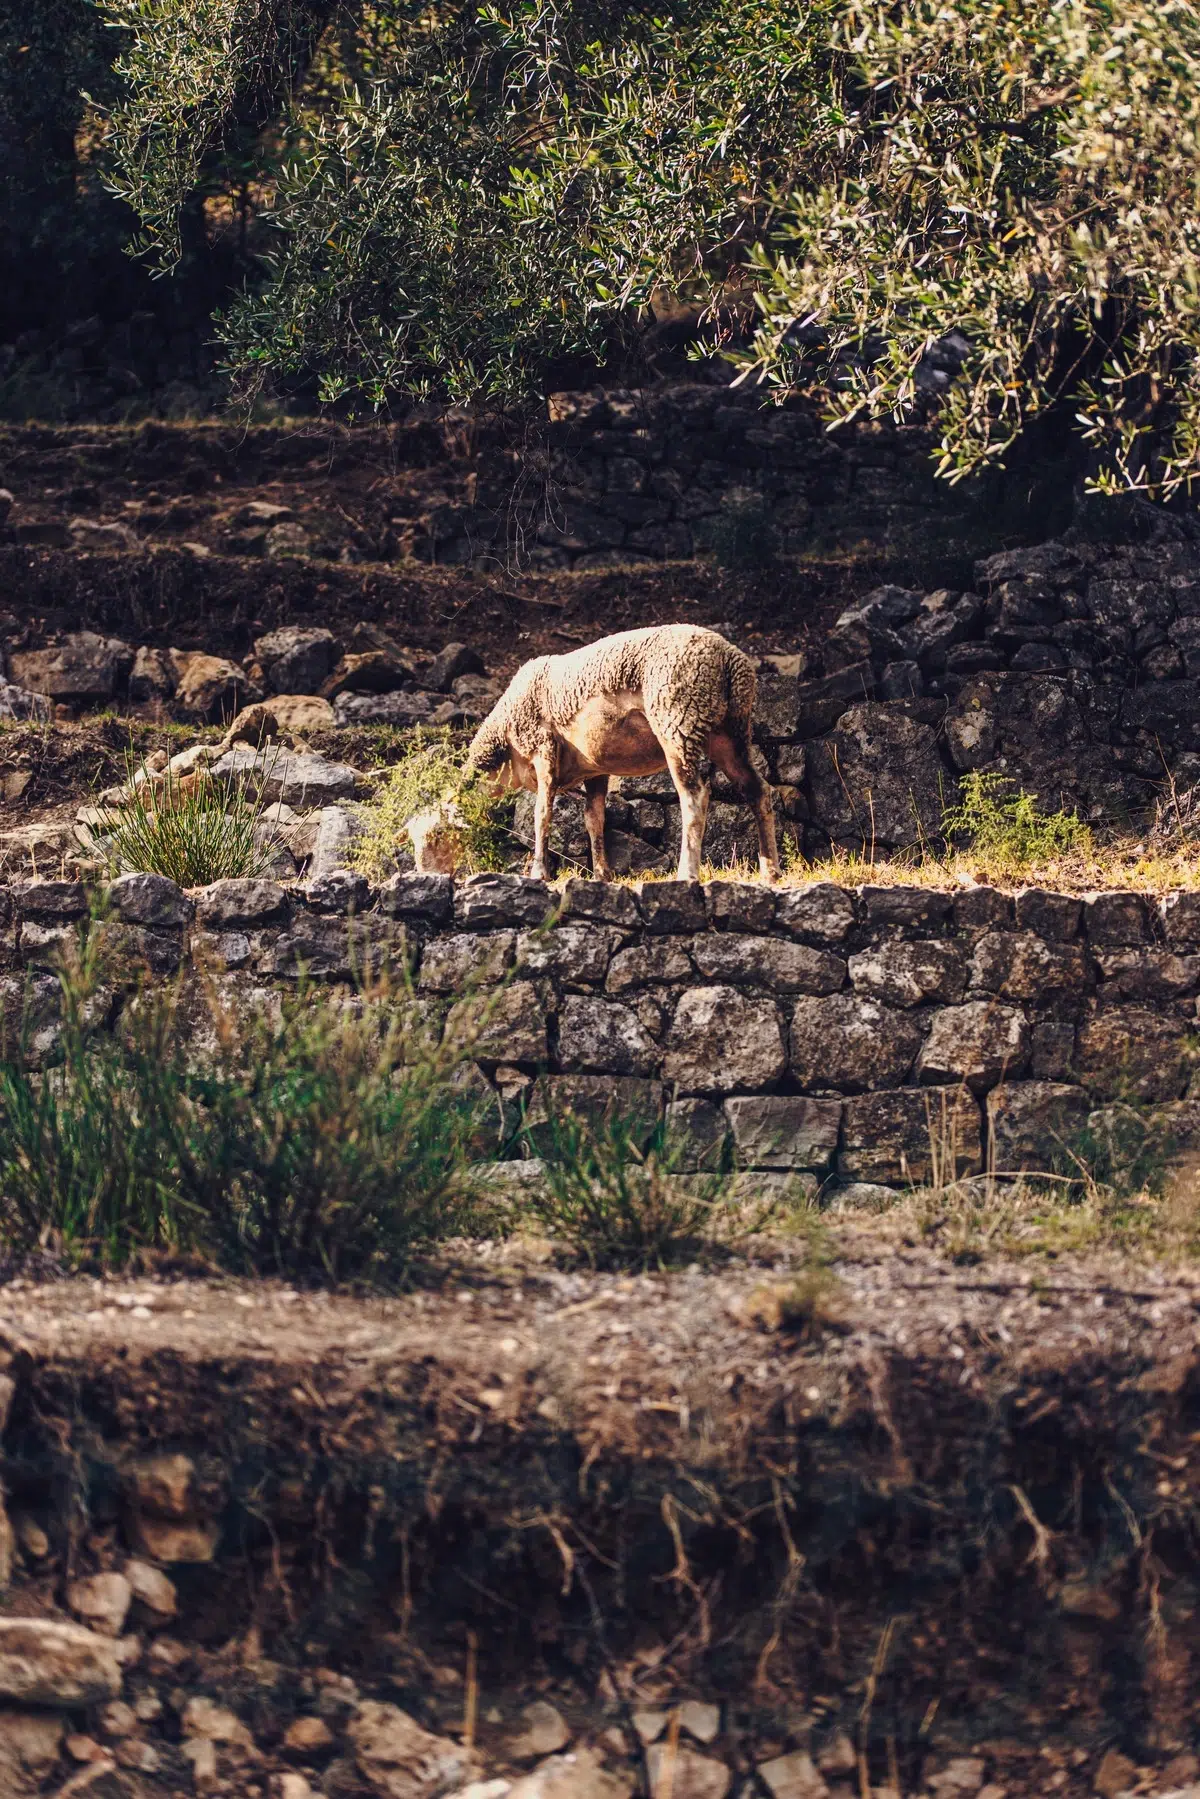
(595, 793)
(542, 806)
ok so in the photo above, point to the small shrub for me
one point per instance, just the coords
(190, 829)
(432, 773)
(302, 1144)
(1006, 830)
(618, 1198)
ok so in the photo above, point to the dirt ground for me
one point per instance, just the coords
(721, 1480)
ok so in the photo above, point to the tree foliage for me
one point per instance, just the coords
(866, 199)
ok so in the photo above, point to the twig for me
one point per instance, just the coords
(882, 1650)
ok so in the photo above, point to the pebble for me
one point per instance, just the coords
(700, 1720)
(101, 1600)
(545, 1732)
(307, 1736)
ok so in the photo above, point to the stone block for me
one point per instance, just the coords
(506, 1025)
(1055, 916)
(1149, 975)
(980, 1042)
(336, 949)
(1053, 1053)
(1034, 1125)
(596, 1100)
(655, 960)
(340, 891)
(819, 704)
(295, 660)
(1131, 1053)
(851, 1043)
(603, 1036)
(483, 900)
(911, 1135)
(44, 1661)
(84, 667)
(823, 912)
(905, 973)
(601, 900)
(129, 951)
(49, 899)
(1179, 914)
(672, 906)
(912, 911)
(696, 1130)
(465, 960)
(429, 898)
(239, 902)
(770, 962)
(338, 830)
(1018, 965)
(300, 780)
(784, 1130)
(150, 899)
(981, 909)
(1115, 920)
(574, 954)
(720, 1040)
(740, 905)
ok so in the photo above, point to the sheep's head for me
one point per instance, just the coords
(439, 839)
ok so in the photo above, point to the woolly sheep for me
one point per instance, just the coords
(673, 696)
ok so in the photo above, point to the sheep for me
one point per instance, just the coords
(673, 696)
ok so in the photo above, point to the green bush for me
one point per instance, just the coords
(191, 831)
(1006, 829)
(301, 1143)
(431, 773)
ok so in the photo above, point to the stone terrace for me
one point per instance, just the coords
(831, 1033)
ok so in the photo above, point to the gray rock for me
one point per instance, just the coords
(1055, 916)
(302, 781)
(793, 1776)
(150, 899)
(341, 891)
(427, 897)
(21, 703)
(129, 951)
(576, 954)
(336, 949)
(819, 704)
(720, 1040)
(848, 1042)
(686, 1774)
(910, 974)
(338, 830)
(978, 909)
(696, 1130)
(655, 960)
(603, 1036)
(906, 911)
(211, 687)
(50, 899)
(1114, 920)
(981, 1042)
(600, 900)
(822, 912)
(484, 899)
(455, 660)
(101, 1601)
(44, 1661)
(507, 1025)
(544, 1731)
(909, 1136)
(1131, 1053)
(740, 905)
(577, 1776)
(595, 1099)
(466, 959)
(239, 902)
(152, 676)
(784, 1130)
(84, 666)
(1034, 1126)
(295, 659)
(768, 962)
(383, 708)
(859, 1196)
(674, 907)
(878, 779)
(1148, 974)
(1018, 965)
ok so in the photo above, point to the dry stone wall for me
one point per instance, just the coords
(829, 1035)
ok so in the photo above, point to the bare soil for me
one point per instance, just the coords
(651, 1486)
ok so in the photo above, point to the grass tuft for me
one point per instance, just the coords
(190, 829)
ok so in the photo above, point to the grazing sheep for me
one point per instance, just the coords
(673, 696)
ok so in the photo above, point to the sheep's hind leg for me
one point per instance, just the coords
(733, 760)
(693, 793)
(595, 793)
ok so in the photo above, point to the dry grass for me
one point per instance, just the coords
(1121, 864)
